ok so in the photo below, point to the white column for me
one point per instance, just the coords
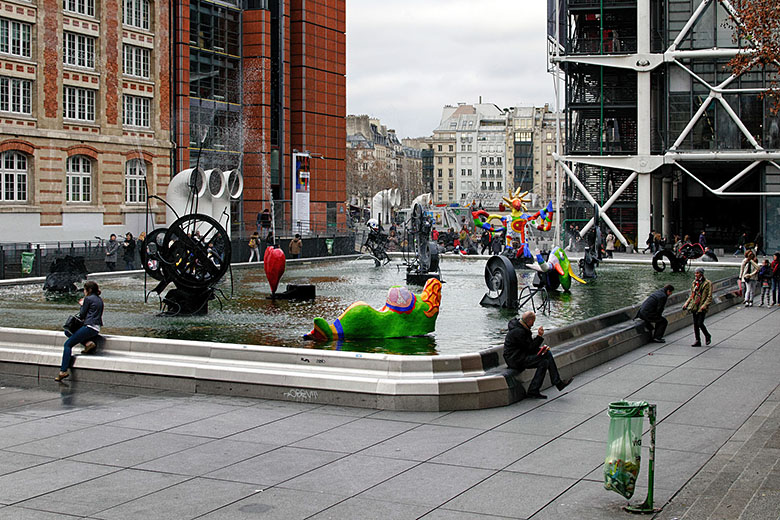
(666, 205)
(643, 193)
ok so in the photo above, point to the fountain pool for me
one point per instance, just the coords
(251, 318)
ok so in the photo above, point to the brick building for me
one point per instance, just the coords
(255, 83)
(102, 101)
(84, 116)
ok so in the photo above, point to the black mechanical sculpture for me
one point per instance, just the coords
(376, 243)
(588, 264)
(426, 258)
(64, 274)
(501, 280)
(193, 254)
(680, 261)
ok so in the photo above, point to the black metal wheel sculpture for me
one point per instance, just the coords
(376, 247)
(501, 281)
(193, 254)
(426, 260)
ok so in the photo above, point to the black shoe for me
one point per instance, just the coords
(563, 384)
(696, 344)
(535, 395)
(708, 340)
(658, 340)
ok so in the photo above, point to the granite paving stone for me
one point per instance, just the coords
(276, 504)
(188, 499)
(13, 461)
(292, 428)
(45, 478)
(543, 423)
(427, 484)
(491, 450)
(554, 459)
(28, 431)
(206, 458)
(141, 449)
(358, 508)
(355, 436)
(517, 495)
(22, 513)
(73, 443)
(275, 466)
(349, 475)
(93, 496)
(422, 443)
(230, 423)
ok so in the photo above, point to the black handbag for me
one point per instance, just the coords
(72, 324)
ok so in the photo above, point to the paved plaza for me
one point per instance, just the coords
(101, 452)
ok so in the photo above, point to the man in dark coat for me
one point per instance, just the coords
(522, 351)
(652, 312)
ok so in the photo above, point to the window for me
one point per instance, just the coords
(438, 160)
(135, 185)
(452, 159)
(450, 147)
(469, 172)
(135, 13)
(492, 186)
(78, 179)
(13, 169)
(79, 104)
(498, 186)
(449, 171)
(79, 50)
(451, 186)
(15, 38)
(439, 172)
(440, 148)
(463, 171)
(136, 61)
(136, 111)
(85, 7)
(15, 95)
(484, 173)
(484, 185)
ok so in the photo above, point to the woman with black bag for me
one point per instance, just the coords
(91, 313)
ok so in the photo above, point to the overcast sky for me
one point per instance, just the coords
(406, 59)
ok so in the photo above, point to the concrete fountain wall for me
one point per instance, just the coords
(382, 381)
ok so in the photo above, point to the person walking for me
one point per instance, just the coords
(652, 312)
(776, 279)
(296, 245)
(254, 247)
(765, 282)
(650, 243)
(484, 242)
(522, 350)
(697, 304)
(610, 244)
(263, 222)
(748, 274)
(129, 251)
(741, 245)
(91, 312)
(112, 251)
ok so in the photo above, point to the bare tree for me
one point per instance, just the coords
(757, 25)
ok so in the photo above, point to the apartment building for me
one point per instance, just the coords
(85, 127)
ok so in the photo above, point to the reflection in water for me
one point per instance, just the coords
(251, 317)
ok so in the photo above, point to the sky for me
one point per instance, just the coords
(406, 59)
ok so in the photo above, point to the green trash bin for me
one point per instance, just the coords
(624, 450)
(329, 245)
(28, 259)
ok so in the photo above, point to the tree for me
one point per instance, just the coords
(757, 24)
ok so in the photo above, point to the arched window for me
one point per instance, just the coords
(13, 169)
(135, 186)
(78, 179)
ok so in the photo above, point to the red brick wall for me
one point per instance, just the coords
(52, 59)
(112, 62)
(318, 95)
(181, 83)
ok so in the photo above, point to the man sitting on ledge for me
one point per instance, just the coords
(522, 351)
(652, 312)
